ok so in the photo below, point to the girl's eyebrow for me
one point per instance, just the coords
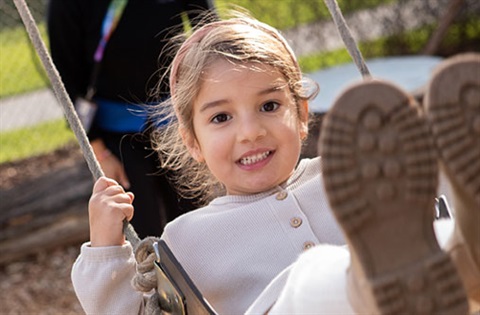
(208, 105)
(269, 90)
(277, 87)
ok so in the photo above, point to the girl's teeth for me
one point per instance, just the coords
(254, 158)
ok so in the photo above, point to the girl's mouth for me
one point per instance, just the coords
(249, 160)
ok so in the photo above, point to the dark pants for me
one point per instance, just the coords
(156, 201)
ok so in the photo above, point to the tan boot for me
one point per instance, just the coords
(380, 171)
(453, 110)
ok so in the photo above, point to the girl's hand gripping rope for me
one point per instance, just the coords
(109, 206)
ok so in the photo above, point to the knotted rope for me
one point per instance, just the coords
(146, 279)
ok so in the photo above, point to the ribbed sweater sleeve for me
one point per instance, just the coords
(101, 278)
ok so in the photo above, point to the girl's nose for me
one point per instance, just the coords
(251, 129)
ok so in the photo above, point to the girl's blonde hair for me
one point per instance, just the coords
(240, 40)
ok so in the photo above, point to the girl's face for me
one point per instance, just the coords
(247, 127)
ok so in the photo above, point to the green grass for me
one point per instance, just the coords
(283, 14)
(27, 142)
(411, 43)
(21, 70)
(322, 60)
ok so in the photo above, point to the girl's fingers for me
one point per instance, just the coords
(108, 194)
(109, 206)
(131, 195)
(122, 198)
(102, 183)
(124, 202)
(114, 190)
(127, 210)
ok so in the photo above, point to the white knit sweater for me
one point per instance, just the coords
(231, 248)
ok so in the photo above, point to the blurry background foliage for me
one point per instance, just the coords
(21, 71)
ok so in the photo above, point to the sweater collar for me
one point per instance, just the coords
(242, 199)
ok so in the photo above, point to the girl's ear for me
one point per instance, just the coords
(192, 145)
(303, 118)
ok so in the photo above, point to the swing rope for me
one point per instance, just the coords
(145, 278)
(347, 37)
(64, 100)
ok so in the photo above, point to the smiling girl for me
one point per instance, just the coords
(241, 109)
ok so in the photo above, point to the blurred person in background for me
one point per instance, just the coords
(109, 55)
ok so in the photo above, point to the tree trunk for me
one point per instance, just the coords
(44, 213)
(447, 19)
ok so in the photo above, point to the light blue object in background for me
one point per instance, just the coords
(408, 72)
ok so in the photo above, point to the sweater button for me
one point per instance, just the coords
(295, 222)
(308, 245)
(281, 195)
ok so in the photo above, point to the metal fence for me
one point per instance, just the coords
(20, 67)
(393, 28)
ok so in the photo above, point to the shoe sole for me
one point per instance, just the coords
(453, 105)
(453, 110)
(380, 173)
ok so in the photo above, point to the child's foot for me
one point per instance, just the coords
(453, 110)
(380, 173)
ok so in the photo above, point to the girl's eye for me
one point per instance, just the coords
(220, 118)
(270, 106)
